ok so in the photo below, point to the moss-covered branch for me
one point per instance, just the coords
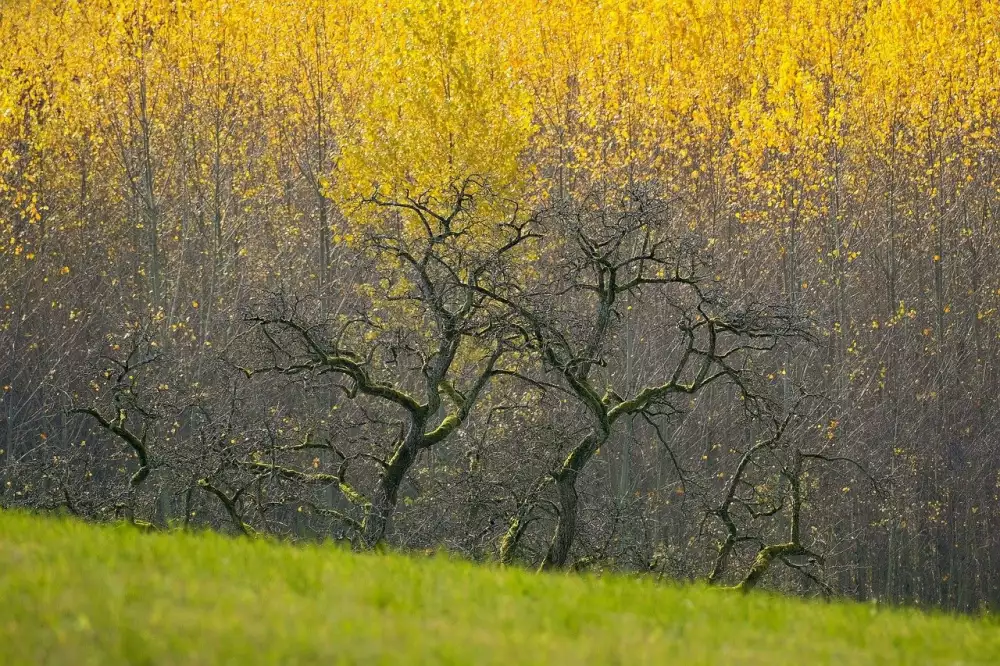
(793, 547)
(313, 478)
(464, 402)
(763, 561)
(338, 515)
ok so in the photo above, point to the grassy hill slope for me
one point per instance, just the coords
(72, 593)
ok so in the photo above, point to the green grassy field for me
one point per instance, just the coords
(72, 593)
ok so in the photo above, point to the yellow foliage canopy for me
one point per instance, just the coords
(768, 107)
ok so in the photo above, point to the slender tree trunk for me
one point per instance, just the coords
(149, 192)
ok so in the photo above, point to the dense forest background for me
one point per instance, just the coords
(706, 289)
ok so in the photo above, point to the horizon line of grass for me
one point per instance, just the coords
(79, 593)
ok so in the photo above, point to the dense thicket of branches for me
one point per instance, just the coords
(699, 289)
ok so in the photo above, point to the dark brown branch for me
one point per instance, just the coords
(230, 504)
(117, 428)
